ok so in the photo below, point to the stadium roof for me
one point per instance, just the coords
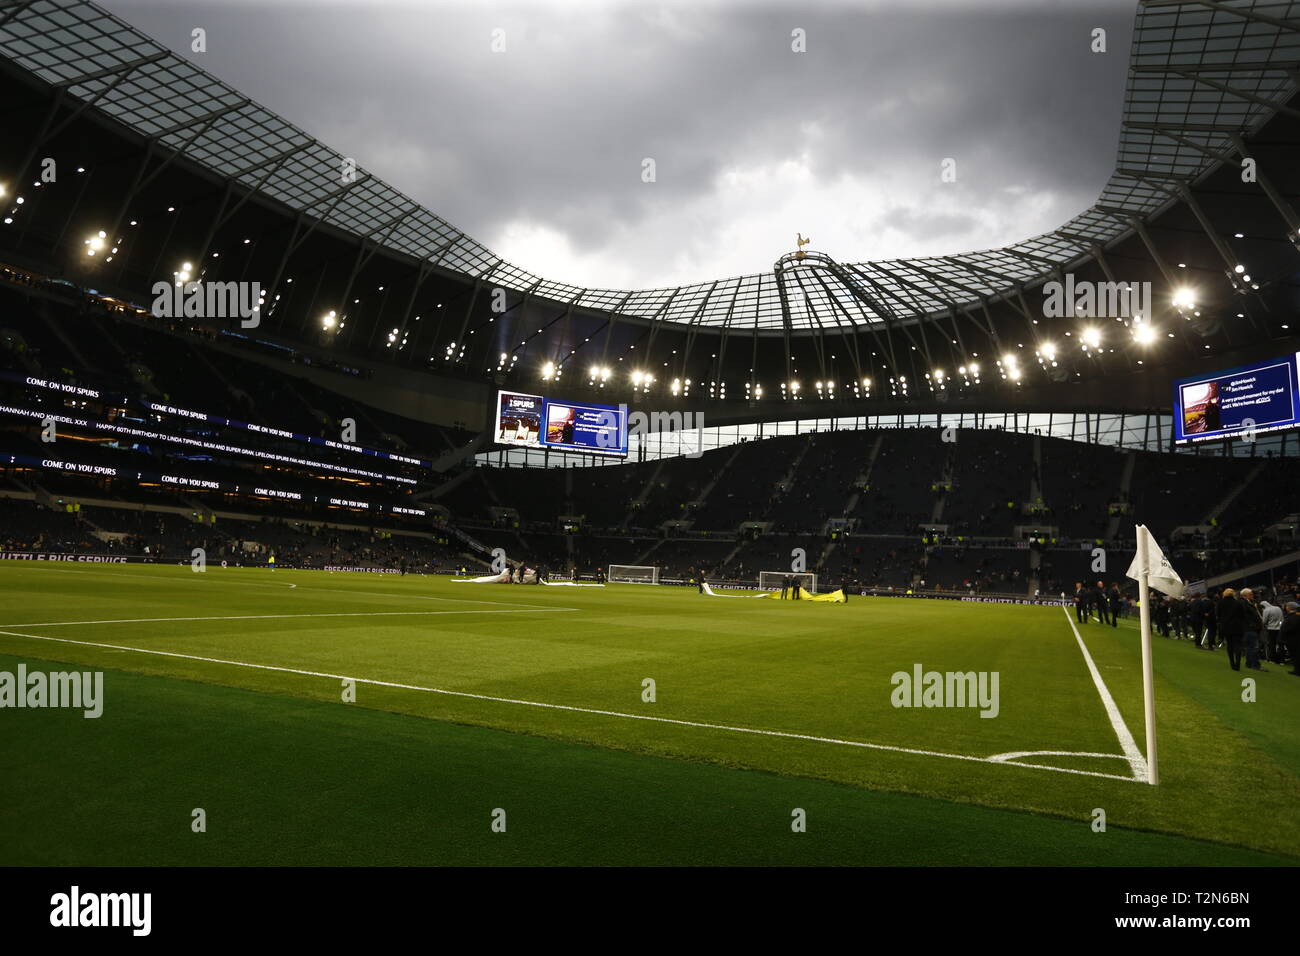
(1201, 73)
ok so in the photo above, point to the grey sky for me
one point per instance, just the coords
(536, 151)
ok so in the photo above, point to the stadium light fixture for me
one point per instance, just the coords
(1184, 298)
(1144, 333)
(548, 370)
(1091, 337)
(95, 243)
(330, 320)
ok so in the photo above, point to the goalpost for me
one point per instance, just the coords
(632, 574)
(772, 580)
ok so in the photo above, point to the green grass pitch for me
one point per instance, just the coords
(471, 698)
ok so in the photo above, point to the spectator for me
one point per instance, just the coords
(1271, 615)
(1290, 633)
(1254, 626)
(1231, 616)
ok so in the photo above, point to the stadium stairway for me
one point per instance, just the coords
(1125, 483)
(448, 460)
(642, 495)
(235, 393)
(14, 341)
(645, 555)
(707, 490)
(824, 557)
(1035, 571)
(1036, 475)
(865, 477)
(1291, 557)
(1235, 492)
(725, 563)
(782, 487)
(61, 333)
(936, 513)
(432, 494)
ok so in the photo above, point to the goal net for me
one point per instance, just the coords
(773, 580)
(633, 574)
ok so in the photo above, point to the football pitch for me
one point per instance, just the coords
(354, 719)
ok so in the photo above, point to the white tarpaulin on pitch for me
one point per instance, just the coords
(1160, 573)
(709, 591)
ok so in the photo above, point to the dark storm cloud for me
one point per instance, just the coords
(537, 151)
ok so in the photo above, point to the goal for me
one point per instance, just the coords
(632, 574)
(772, 580)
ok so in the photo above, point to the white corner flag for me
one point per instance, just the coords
(1151, 568)
(1159, 572)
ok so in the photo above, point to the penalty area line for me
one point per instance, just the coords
(141, 577)
(264, 617)
(788, 735)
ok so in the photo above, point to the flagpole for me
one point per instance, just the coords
(1148, 676)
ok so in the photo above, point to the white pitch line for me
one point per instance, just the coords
(305, 587)
(1136, 760)
(260, 617)
(567, 707)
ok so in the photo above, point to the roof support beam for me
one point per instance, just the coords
(1248, 14)
(120, 70)
(277, 160)
(692, 327)
(1274, 105)
(16, 7)
(204, 121)
(1284, 208)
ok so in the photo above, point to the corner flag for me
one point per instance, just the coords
(1151, 568)
(1160, 573)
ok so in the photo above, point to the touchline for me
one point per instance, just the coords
(79, 690)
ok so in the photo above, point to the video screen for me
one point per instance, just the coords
(1261, 397)
(591, 428)
(519, 418)
(539, 422)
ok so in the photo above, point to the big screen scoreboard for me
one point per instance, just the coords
(534, 421)
(1248, 400)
